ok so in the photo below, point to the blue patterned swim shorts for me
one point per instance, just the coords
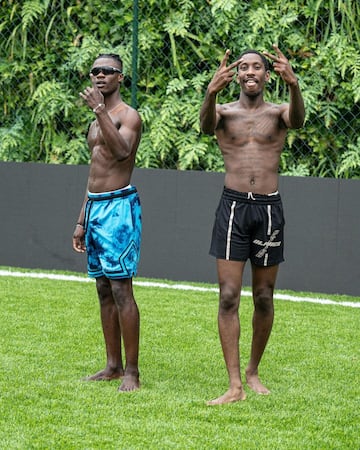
(113, 233)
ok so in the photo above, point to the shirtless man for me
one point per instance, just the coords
(109, 223)
(249, 220)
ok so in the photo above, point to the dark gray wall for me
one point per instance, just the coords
(40, 204)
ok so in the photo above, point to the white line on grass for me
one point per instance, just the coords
(182, 287)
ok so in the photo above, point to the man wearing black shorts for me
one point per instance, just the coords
(249, 220)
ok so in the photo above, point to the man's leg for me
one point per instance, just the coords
(263, 290)
(130, 327)
(112, 333)
(230, 279)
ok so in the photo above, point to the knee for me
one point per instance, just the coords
(229, 299)
(263, 300)
(103, 288)
(121, 293)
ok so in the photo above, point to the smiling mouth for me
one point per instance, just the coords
(251, 82)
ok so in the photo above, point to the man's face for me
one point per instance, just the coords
(107, 74)
(252, 75)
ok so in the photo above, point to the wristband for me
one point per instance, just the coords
(80, 225)
(100, 105)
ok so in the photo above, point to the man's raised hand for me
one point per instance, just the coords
(92, 95)
(224, 75)
(282, 66)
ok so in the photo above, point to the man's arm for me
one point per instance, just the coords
(294, 116)
(120, 142)
(296, 106)
(209, 117)
(78, 239)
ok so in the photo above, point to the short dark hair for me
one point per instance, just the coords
(113, 56)
(264, 60)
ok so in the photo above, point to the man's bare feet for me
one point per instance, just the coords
(230, 396)
(106, 375)
(254, 383)
(130, 383)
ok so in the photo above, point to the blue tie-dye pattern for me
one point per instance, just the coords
(113, 236)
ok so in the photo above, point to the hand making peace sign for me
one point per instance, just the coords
(282, 66)
(224, 75)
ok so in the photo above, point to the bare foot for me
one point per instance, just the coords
(106, 375)
(130, 383)
(255, 384)
(230, 396)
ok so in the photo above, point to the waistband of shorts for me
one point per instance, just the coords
(124, 192)
(251, 197)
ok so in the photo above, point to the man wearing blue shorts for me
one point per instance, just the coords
(109, 223)
(249, 219)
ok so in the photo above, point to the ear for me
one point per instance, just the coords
(267, 76)
(120, 78)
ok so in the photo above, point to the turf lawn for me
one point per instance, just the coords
(51, 338)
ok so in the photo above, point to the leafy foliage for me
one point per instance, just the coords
(47, 48)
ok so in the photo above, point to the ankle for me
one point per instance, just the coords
(251, 372)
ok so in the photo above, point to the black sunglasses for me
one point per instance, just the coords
(105, 70)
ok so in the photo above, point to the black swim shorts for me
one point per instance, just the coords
(247, 226)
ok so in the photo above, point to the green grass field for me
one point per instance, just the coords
(51, 337)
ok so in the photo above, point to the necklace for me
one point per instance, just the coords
(117, 107)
